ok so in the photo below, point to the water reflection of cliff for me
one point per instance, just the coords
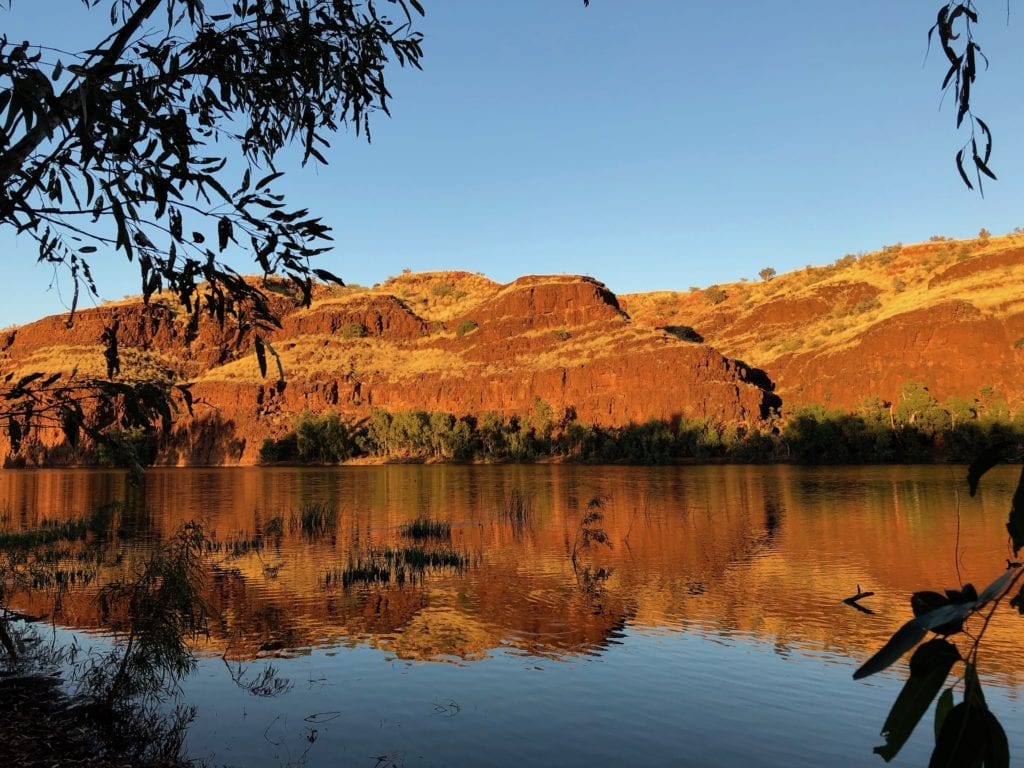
(722, 550)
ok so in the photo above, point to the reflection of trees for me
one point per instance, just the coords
(769, 551)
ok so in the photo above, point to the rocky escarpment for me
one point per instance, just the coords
(952, 347)
(564, 340)
(948, 314)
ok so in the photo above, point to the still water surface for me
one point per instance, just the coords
(700, 624)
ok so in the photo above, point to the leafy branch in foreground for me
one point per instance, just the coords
(125, 146)
(90, 406)
(159, 143)
(954, 29)
(967, 732)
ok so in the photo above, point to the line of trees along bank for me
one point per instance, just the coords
(916, 429)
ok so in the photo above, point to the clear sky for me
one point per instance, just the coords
(653, 144)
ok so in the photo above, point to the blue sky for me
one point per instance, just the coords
(656, 144)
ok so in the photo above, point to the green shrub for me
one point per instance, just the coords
(324, 439)
(284, 449)
(866, 305)
(715, 295)
(562, 335)
(353, 331)
(466, 326)
(443, 289)
(126, 448)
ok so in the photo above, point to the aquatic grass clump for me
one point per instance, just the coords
(49, 532)
(386, 565)
(274, 527)
(315, 519)
(424, 528)
(517, 512)
(235, 546)
(419, 558)
(357, 572)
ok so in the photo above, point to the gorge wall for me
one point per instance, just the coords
(948, 314)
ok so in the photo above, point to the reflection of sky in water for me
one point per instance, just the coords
(711, 632)
(671, 699)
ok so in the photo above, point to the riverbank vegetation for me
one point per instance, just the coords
(917, 428)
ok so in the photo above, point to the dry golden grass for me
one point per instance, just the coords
(906, 278)
(902, 275)
(440, 296)
(87, 361)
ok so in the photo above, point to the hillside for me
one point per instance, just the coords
(949, 314)
(946, 313)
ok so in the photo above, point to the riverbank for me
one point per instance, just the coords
(43, 727)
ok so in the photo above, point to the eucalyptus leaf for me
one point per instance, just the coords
(929, 668)
(942, 709)
(962, 738)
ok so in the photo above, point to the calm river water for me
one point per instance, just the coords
(694, 618)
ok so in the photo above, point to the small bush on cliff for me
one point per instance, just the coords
(353, 331)
(562, 335)
(715, 295)
(1019, 343)
(866, 305)
(443, 289)
(466, 326)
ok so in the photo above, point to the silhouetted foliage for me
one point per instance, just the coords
(954, 31)
(159, 142)
(966, 733)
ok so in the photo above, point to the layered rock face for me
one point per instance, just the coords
(948, 314)
(564, 340)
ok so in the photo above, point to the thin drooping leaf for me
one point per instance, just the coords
(960, 169)
(261, 355)
(1015, 525)
(983, 462)
(929, 667)
(277, 359)
(999, 585)
(913, 632)
(905, 638)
